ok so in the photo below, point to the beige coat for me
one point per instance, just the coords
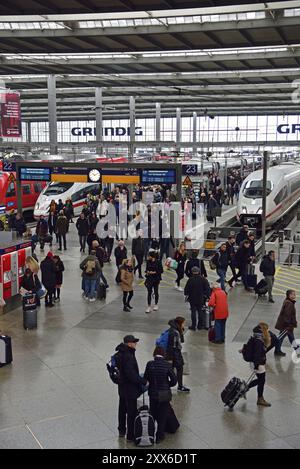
(126, 279)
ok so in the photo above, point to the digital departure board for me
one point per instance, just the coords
(35, 174)
(158, 176)
(61, 174)
(121, 176)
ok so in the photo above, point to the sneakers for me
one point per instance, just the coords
(128, 306)
(155, 308)
(148, 310)
(126, 309)
(86, 297)
(183, 389)
(178, 288)
(271, 300)
(262, 402)
(92, 300)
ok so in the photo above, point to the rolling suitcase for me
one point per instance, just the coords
(205, 318)
(211, 334)
(261, 288)
(235, 389)
(29, 311)
(252, 280)
(5, 350)
(101, 292)
(144, 426)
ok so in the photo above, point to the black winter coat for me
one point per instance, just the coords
(242, 256)
(241, 236)
(194, 262)
(31, 283)
(160, 376)
(82, 226)
(120, 255)
(221, 260)
(59, 269)
(197, 290)
(138, 246)
(174, 345)
(156, 267)
(48, 273)
(259, 352)
(267, 266)
(131, 382)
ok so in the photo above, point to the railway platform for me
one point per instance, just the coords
(57, 393)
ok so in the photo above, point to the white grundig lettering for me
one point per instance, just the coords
(112, 459)
(156, 220)
(106, 131)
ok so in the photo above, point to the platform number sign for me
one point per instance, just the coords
(189, 169)
(9, 166)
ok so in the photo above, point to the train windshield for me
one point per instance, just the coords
(254, 189)
(57, 188)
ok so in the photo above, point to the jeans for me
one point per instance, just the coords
(90, 287)
(153, 287)
(222, 275)
(140, 259)
(244, 274)
(196, 311)
(60, 238)
(291, 337)
(270, 281)
(82, 241)
(220, 325)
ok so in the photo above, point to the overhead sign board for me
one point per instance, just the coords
(8, 166)
(35, 174)
(158, 176)
(121, 176)
(189, 169)
(61, 174)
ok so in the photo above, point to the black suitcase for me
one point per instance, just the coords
(29, 311)
(101, 292)
(252, 280)
(172, 423)
(206, 318)
(235, 389)
(261, 288)
(5, 350)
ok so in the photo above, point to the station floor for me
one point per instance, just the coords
(57, 394)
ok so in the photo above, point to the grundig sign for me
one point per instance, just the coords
(288, 129)
(106, 131)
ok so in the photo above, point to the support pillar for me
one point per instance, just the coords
(132, 126)
(99, 120)
(52, 114)
(157, 126)
(194, 134)
(178, 128)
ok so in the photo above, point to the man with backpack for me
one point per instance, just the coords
(90, 270)
(130, 384)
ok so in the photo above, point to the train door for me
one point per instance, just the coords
(10, 195)
(27, 195)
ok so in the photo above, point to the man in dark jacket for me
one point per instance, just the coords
(62, 228)
(221, 260)
(161, 377)
(242, 260)
(138, 250)
(267, 267)
(42, 231)
(195, 262)
(230, 249)
(120, 255)
(287, 320)
(19, 225)
(242, 235)
(52, 220)
(130, 386)
(49, 278)
(82, 226)
(197, 292)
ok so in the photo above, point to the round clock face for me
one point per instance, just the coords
(94, 175)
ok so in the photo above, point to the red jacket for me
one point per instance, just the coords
(218, 300)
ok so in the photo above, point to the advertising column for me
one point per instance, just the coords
(11, 115)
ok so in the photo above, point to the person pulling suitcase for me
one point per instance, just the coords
(267, 267)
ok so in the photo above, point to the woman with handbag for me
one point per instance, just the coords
(161, 378)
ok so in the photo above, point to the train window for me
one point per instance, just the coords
(254, 189)
(282, 194)
(58, 188)
(83, 193)
(11, 190)
(295, 186)
(26, 189)
(38, 187)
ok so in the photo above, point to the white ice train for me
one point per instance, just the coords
(283, 192)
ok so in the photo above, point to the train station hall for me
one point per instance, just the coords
(149, 225)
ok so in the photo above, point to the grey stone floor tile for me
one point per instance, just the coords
(284, 420)
(293, 441)
(17, 438)
(9, 415)
(71, 431)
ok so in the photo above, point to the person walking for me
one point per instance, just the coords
(260, 343)
(82, 226)
(52, 221)
(230, 249)
(101, 255)
(287, 321)
(195, 262)
(267, 267)
(127, 278)
(42, 231)
(174, 349)
(69, 210)
(242, 260)
(221, 260)
(154, 270)
(62, 228)
(180, 257)
(120, 254)
(91, 237)
(196, 291)
(161, 378)
(49, 278)
(218, 301)
(19, 225)
(59, 269)
(242, 235)
(138, 250)
(90, 269)
(130, 386)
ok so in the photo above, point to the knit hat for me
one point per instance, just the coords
(50, 254)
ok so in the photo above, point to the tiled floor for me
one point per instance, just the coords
(57, 393)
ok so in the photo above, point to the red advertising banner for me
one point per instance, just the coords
(10, 115)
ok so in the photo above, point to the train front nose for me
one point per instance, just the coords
(250, 212)
(41, 208)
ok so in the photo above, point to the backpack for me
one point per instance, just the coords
(163, 340)
(113, 368)
(213, 262)
(90, 267)
(144, 426)
(247, 350)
